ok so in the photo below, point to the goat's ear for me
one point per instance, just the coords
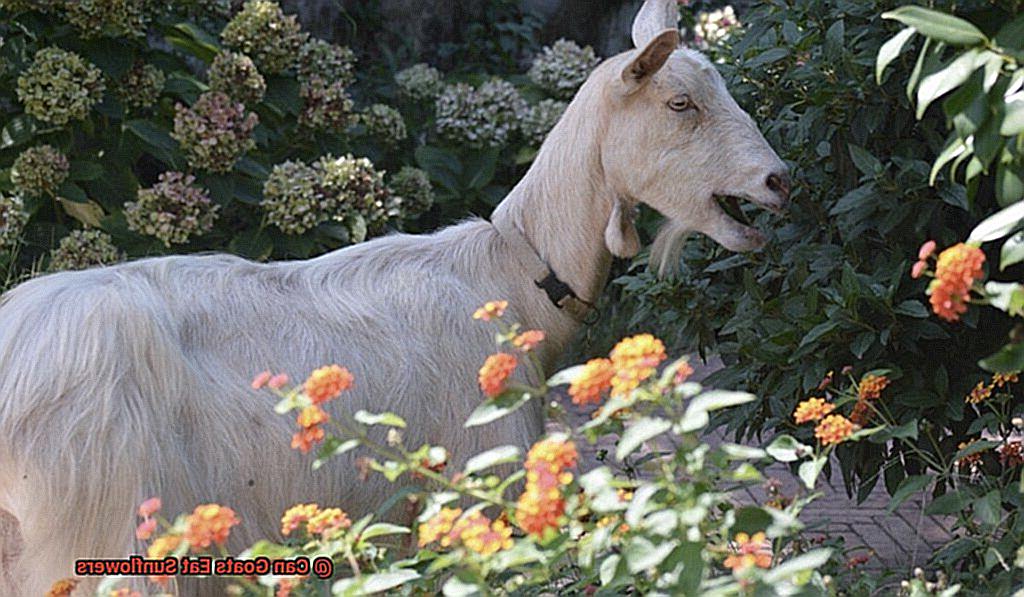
(654, 17)
(620, 235)
(651, 58)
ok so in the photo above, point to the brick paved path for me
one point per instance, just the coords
(899, 541)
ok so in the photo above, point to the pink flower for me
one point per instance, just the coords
(145, 530)
(278, 381)
(927, 250)
(919, 268)
(150, 507)
(261, 380)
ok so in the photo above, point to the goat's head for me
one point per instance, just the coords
(677, 141)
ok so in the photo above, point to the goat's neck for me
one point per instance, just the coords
(562, 206)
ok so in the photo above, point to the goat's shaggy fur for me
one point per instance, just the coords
(120, 383)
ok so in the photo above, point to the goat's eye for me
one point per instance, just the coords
(682, 103)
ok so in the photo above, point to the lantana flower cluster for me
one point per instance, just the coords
(208, 525)
(385, 123)
(173, 210)
(498, 369)
(82, 249)
(540, 510)
(632, 361)
(60, 86)
(956, 270)
(114, 18)
(236, 75)
(983, 391)
(322, 386)
(215, 132)
(327, 61)
(142, 86)
(413, 186)
(749, 551)
(563, 67)
(450, 528)
(13, 218)
(833, 428)
(420, 83)
(298, 197)
(538, 121)
(487, 116)
(39, 171)
(263, 32)
(314, 521)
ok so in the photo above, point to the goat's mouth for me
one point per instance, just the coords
(730, 204)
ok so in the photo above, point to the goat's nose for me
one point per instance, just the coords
(779, 184)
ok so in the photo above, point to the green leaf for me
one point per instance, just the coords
(333, 447)
(496, 408)
(949, 503)
(767, 57)
(974, 448)
(954, 149)
(818, 332)
(955, 74)
(387, 419)
(719, 399)
(1006, 296)
(785, 448)
(834, 39)
(1012, 34)
(17, 131)
(642, 555)
(998, 225)
(865, 162)
(493, 457)
(908, 488)
(1009, 183)
(810, 470)
(640, 431)
(1009, 359)
(988, 508)
(906, 431)
(937, 25)
(373, 583)
(1012, 252)
(811, 560)
(912, 308)
(72, 192)
(157, 140)
(890, 50)
(382, 529)
(565, 376)
(1013, 119)
(85, 170)
(608, 568)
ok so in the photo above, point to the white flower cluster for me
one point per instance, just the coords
(420, 83)
(715, 27)
(562, 68)
(538, 121)
(487, 116)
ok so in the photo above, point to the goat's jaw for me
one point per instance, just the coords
(732, 229)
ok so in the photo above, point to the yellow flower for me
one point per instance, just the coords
(1002, 379)
(812, 409)
(979, 394)
(871, 386)
(593, 380)
(327, 522)
(311, 416)
(635, 359)
(492, 310)
(438, 527)
(493, 376)
(209, 524)
(750, 551)
(62, 588)
(834, 429)
(296, 516)
(163, 546)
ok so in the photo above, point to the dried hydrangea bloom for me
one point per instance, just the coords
(142, 85)
(538, 121)
(214, 132)
(561, 68)
(236, 75)
(420, 83)
(292, 199)
(262, 31)
(413, 186)
(356, 187)
(39, 171)
(326, 107)
(327, 61)
(59, 86)
(13, 218)
(385, 123)
(172, 210)
(114, 18)
(484, 117)
(83, 249)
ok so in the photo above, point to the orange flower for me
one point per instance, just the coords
(750, 551)
(494, 374)
(955, 272)
(492, 310)
(209, 524)
(812, 409)
(1002, 379)
(163, 546)
(834, 429)
(438, 527)
(871, 386)
(528, 340)
(635, 359)
(979, 394)
(327, 383)
(296, 516)
(261, 380)
(554, 454)
(683, 372)
(541, 507)
(305, 439)
(150, 507)
(145, 529)
(286, 586)
(593, 380)
(62, 588)
(328, 522)
(311, 416)
(1011, 454)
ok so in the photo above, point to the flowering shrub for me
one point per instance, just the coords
(562, 68)
(59, 86)
(39, 171)
(82, 249)
(263, 32)
(215, 132)
(420, 83)
(171, 210)
(235, 75)
(486, 116)
(656, 516)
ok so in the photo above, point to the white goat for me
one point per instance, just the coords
(120, 383)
